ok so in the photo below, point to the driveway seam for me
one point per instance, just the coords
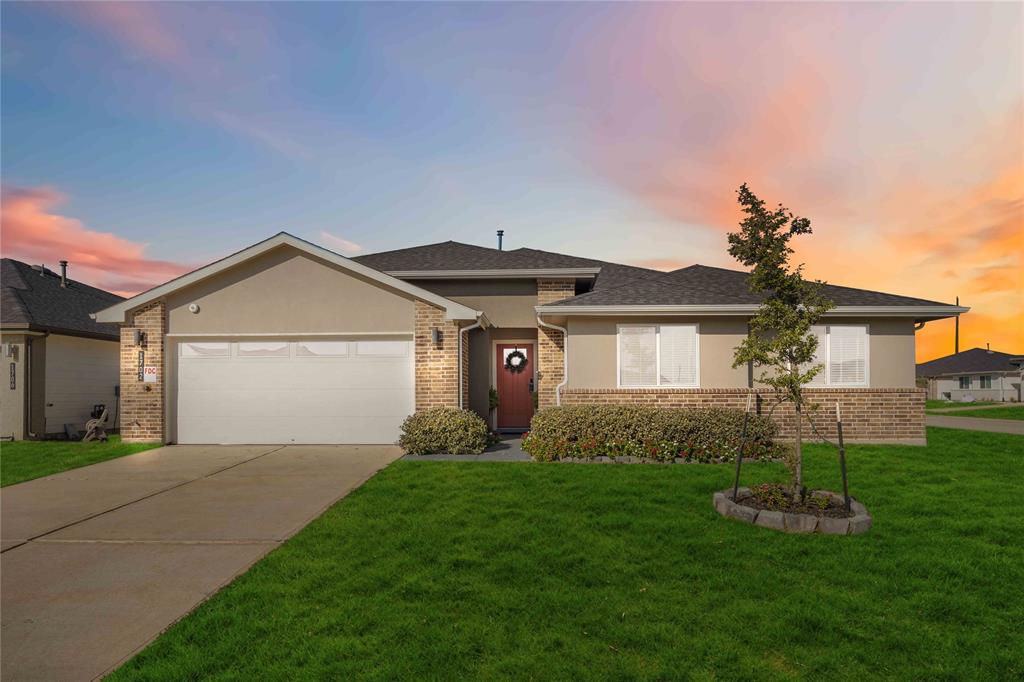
(140, 499)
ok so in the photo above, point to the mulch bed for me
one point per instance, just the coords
(834, 509)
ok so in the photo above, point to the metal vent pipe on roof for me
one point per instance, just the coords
(501, 233)
(63, 273)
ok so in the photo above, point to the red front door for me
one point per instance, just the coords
(515, 400)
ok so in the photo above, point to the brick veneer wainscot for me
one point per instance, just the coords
(550, 342)
(142, 403)
(437, 364)
(874, 415)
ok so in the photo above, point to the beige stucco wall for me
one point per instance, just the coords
(12, 401)
(506, 302)
(592, 350)
(288, 291)
(79, 373)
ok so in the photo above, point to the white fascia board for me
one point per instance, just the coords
(580, 273)
(933, 312)
(117, 313)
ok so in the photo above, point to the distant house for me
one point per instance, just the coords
(975, 374)
(60, 362)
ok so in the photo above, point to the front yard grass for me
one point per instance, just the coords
(24, 460)
(448, 570)
(1016, 413)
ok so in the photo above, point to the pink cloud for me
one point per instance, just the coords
(342, 246)
(31, 231)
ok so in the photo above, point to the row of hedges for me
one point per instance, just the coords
(654, 433)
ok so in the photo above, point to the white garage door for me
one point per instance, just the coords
(293, 391)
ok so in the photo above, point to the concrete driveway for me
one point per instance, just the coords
(98, 561)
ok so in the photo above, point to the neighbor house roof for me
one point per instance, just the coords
(33, 299)
(970, 362)
(700, 288)
(453, 310)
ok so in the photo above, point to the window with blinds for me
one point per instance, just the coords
(843, 352)
(658, 355)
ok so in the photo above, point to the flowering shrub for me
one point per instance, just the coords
(444, 430)
(649, 433)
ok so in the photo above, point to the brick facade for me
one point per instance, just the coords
(437, 364)
(551, 342)
(142, 403)
(869, 414)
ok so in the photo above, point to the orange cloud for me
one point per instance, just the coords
(663, 264)
(32, 232)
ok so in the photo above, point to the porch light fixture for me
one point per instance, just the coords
(435, 335)
(138, 336)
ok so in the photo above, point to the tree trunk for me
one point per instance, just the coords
(798, 464)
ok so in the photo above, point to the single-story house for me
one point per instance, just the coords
(61, 362)
(975, 374)
(288, 342)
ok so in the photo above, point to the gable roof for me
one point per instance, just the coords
(969, 362)
(455, 259)
(453, 310)
(31, 298)
(700, 288)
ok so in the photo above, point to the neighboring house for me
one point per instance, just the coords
(60, 361)
(975, 374)
(288, 342)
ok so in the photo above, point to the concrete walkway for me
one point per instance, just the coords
(510, 449)
(975, 423)
(98, 561)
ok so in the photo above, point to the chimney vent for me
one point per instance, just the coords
(63, 273)
(501, 233)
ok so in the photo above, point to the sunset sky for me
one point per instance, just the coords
(143, 139)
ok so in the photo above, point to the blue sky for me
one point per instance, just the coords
(172, 134)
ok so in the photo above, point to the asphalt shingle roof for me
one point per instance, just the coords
(704, 285)
(968, 362)
(458, 256)
(616, 284)
(33, 299)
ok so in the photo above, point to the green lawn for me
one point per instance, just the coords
(989, 413)
(448, 570)
(24, 460)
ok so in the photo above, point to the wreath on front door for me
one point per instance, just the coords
(515, 361)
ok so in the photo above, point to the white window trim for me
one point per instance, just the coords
(657, 354)
(827, 375)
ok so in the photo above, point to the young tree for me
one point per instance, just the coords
(780, 341)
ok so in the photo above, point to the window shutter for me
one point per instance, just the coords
(820, 356)
(679, 355)
(637, 356)
(848, 346)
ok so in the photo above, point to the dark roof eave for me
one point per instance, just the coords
(42, 329)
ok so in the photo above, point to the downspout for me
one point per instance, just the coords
(465, 330)
(565, 358)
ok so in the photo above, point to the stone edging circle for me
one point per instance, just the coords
(789, 522)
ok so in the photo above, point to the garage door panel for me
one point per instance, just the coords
(240, 403)
(274, 430)
(295, 399)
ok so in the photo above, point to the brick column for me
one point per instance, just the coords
(142, 403)
(550, 342)
(437, 364)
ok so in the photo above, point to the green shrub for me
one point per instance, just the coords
(444, 430)
(653, 433)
